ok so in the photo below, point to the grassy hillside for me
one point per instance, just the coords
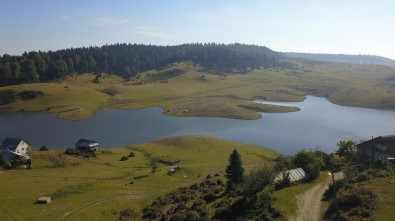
(101, 187)
(184, 90)
(344, 58)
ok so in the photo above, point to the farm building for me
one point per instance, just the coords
(14, 147)
(87, 145)
(293, 175)
(379, 147)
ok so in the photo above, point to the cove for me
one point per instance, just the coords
(319, 124)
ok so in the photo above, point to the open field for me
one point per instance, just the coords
(385, 190)
(101, 187)
(183, 90)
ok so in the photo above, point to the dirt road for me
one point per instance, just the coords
(309, 202)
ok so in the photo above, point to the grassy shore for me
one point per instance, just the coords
(183, 90)
(101, 187)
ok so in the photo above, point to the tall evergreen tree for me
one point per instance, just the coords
(234, 170)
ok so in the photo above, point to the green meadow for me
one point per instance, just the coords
(102, 186)
(183, 89)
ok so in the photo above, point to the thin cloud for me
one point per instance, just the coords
(107, 21)
(149, 32)
(65, 17)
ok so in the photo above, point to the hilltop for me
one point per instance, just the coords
(344, 58)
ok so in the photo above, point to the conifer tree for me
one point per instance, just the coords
(235, 170)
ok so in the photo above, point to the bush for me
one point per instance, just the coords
(77, 152)
(71, 151)
(123, 158)
(17, 161)
(209, 197)
(309, 162)
(128, 214)
(57, 161)
(329, 192)
(44, 148)
(30, 95)
(131, 154)
(7, 96)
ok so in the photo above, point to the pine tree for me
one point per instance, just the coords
(235, 170)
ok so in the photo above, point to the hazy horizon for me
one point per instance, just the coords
(307, 26)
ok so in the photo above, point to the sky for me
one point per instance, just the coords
(314, 26)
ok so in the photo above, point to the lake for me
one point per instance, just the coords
(319, 124)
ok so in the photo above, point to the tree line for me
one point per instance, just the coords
(127, 60)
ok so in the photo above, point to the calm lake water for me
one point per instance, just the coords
(319, 123)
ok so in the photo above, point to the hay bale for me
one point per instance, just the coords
(44, 200)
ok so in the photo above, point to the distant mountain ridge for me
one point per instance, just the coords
(344, 58)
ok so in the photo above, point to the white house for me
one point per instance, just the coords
(12, 147)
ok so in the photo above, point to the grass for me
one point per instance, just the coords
(286, 201)
(183, 90)
(385, 190)
(101, 187)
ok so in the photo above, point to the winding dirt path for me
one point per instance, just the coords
(309, 202)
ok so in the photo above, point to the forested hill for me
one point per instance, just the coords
(127, 60)
(353, 59)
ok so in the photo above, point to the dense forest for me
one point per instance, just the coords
(127, 60)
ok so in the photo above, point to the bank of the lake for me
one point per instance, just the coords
(319, 124)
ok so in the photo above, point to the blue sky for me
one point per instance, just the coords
(318, 26)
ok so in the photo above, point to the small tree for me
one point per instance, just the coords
(123, 158)
(234, 171)
(44, 148)
(346, 150)
(309, 162)
(131, 154)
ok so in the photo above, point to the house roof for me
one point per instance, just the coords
(86, 143)
(388, 141)
(294, 175)
(12, 143)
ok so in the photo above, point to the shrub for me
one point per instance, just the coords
(57, 161)
(309, 162)
(71, 151)
(123, 158)
(17, 161)
(30, 95)
(329, 192)
(209, 197)
(151, 213)
(7, 96)
(128, 214)
(44, 148)
(131, 154)
(77, 152)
